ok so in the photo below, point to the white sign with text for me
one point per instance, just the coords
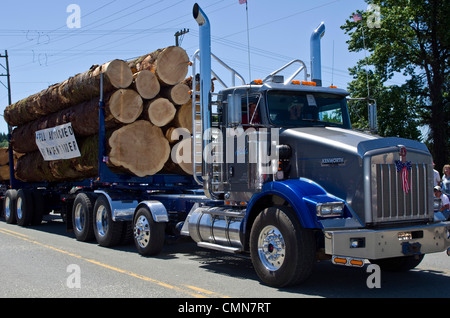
(57, 143)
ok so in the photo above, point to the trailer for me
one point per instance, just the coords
(278, 176)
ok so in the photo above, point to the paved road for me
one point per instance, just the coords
(45, 261)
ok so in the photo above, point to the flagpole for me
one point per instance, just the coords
(248, 44)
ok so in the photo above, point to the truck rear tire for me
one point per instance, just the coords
(24, 207)
(282, 252)
(107, 232)
(148, 235)
(9, 206)
(82, 217)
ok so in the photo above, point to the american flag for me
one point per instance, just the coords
(242, 1)
(405, 182)
(404, 167)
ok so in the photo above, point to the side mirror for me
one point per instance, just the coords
(234, 109)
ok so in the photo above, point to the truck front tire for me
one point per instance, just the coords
(282, 252)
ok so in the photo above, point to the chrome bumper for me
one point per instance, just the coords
(376, 244)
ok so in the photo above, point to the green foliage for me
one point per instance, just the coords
(3, 140)
(412, 39)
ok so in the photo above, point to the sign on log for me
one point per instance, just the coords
(57, 143)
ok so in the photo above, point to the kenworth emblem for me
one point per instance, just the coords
(403, 166)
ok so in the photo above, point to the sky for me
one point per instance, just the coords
(47, 45)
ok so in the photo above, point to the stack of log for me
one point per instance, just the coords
(145, 99)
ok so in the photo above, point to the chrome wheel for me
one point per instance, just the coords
(79, 217)
(19, 208)
(7, 209)
(271, 248)
(101, 220)
(142, 231)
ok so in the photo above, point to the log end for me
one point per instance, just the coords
(140, 148)
(118, 73)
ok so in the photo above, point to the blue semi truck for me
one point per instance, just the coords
(278, 175)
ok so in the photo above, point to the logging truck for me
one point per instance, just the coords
(275, 173)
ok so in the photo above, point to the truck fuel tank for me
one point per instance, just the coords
(217, 227)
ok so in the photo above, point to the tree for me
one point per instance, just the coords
(411, 38)
(397, 105)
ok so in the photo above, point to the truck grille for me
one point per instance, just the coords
(390, 202)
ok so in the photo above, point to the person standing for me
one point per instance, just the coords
(446, 179)
(444, 206)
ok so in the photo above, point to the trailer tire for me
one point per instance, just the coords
(82, 217)
(107, 232)
(24, 207)
(9, 206)
(282, 251)
(148, 235)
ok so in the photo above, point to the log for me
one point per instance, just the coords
(4, 156)
(180, 161)
(73, 91)
(175, 134)
(183, 117)
(4, 173)
(122, 106)
(178, 94)
(139, 148)
(170, 64)
(146, 84)
(159, 111)
(31, 167)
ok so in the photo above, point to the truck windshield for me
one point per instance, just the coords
(305, 109)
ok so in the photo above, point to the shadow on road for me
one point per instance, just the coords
(327, 280)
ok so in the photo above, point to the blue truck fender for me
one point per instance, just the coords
(293, 191)
(302, 195)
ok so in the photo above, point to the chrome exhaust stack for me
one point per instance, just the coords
(316, 63)
(205, 93)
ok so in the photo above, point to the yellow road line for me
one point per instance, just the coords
(208, 292)
(198, 291)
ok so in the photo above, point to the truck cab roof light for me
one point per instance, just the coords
(257, 82)
(308, 83)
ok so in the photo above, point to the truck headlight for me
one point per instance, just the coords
(330, 209)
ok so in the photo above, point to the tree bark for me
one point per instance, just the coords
(122, 106)
(139, 149)
(73, 91)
